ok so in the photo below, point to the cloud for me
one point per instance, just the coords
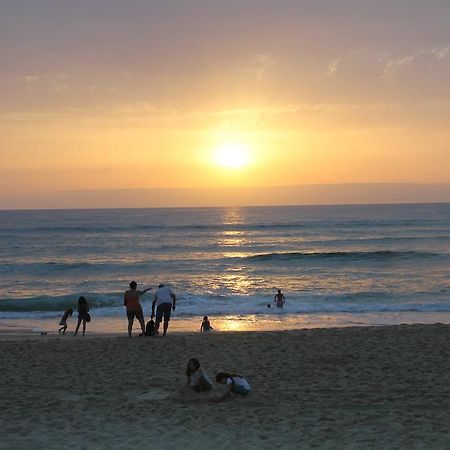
(57, 82)
(440, 53)
(395, 65)
(261, 63)
(333, 67)
(61, 87)
(30, 81)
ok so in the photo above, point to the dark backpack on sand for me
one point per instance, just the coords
(150, 328)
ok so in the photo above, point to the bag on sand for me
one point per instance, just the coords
(150, 328)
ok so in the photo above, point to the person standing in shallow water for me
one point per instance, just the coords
(164, 301)
(134, 308)
(279, 299)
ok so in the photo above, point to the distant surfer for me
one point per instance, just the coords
(279, 299)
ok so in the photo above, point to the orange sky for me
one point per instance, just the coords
(140, 95)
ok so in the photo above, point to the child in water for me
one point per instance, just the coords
(235, 385)
(63, 322)
(206, 325)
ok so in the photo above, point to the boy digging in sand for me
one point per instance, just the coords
(235, 385)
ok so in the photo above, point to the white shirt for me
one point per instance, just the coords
(239, 381)
(163, 295)
(198, 375)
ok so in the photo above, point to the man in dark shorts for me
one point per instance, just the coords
(134, 308)
(279, 299)
(165, 301)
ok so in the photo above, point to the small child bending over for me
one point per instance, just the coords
(235, 385)
(206, 325)
(63, 322)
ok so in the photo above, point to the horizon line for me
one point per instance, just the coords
(232, 196)
(305, 205)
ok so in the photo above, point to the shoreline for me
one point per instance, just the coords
(117, 325)
(357, 387)
(37, 336)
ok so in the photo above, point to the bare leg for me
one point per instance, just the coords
(130, 326)
(78, 326)
(141, 321)
(84, 326)
(156, 327)
(166, 325)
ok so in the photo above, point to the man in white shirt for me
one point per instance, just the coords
(164, 301)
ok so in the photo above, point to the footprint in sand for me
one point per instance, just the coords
(71, 397)
(154, 394)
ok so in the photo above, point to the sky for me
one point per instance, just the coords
(106, 96)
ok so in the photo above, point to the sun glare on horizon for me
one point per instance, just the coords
(232, 155)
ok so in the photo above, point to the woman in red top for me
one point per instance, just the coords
(134, 308)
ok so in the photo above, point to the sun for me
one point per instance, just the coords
(232, 155)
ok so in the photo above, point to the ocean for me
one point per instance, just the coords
(368, 264)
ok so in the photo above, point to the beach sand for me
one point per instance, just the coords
(358, 388)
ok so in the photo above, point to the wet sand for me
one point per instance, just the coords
(358, 388)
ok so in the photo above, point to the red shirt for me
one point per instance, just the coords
(131, 300)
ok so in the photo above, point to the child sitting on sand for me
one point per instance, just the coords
(196, 377)
(206, 325)
(63, 322)
(150, 328)
(235, 385)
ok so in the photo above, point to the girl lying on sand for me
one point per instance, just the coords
(235, 385)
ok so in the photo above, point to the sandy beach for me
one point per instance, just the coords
(359, 388)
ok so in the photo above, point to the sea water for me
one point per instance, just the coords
(371, 264)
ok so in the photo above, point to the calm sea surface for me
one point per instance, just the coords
(390, 259)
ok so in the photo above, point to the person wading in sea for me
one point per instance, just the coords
(279, 299)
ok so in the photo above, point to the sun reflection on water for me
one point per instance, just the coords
(232, 238)
(241, 323)
(236, 282)
(232, 216)
(231, 324)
